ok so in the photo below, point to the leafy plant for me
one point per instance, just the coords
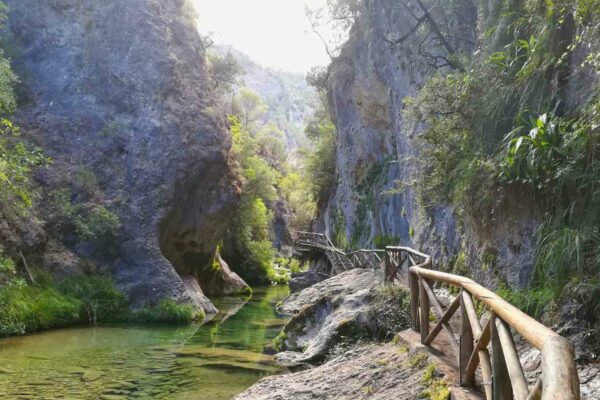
(99, 225)
(100, 300)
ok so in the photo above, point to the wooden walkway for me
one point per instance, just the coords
(338, 259)
(484, 346)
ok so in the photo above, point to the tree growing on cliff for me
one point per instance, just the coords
(225, 72)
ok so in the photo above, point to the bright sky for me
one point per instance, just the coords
(274, 33)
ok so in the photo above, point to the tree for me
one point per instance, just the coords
(225, 71)
(249, 107)
(332, 23)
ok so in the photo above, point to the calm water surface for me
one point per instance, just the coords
(216, 360)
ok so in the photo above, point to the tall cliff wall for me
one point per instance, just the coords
(388, 57)
(117, 93)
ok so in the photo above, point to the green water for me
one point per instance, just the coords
(216, 360)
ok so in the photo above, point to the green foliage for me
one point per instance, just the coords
(168, 311)
(248, 245)
(99, 225)
(435, 388)
(28, 309)
(100, 300)
(224, 72)
(320, 162)
(86, 181)
(17, 161)
(249, 107)
(534, 301)
(279, 341)
(295, 188)
(418, 360)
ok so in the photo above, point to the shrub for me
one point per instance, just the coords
(279, 341)
(99, 225)
(100, 300)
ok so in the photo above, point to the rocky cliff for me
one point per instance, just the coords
(117, 93)
(392, 51)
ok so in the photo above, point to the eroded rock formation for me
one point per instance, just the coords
(386, 60)
(119, 90)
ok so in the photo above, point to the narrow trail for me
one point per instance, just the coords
(472, 334)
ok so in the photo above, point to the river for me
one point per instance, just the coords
(214, 360)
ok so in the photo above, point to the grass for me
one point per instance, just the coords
(167, 311)
(418, 360)
(434, 388)
(26, 309)
(75, 300)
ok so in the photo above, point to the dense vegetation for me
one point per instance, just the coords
(269, 181)
(504, 128)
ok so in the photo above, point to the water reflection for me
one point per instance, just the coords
(212, 361)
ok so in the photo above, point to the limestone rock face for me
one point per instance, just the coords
(323, 312)
(381, 64)
(119, 89)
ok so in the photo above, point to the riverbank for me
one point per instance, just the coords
(213, 360)
(348, 338)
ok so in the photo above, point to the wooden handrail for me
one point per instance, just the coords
(503, 376)
(340, 261)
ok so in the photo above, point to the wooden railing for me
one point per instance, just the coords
(366, 258)
(340, 261)
(501, 370)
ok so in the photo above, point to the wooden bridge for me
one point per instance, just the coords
(339, 260)
(486, 352)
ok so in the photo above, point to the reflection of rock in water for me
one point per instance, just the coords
(228, 307)
(213, 361)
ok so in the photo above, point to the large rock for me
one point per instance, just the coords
(119, 89)
(322, 313)
(369, 372)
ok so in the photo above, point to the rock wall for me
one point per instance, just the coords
(119, 89)
(387, 58)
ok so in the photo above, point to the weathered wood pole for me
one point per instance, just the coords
(424, 309)
(559, 383)
(414, 301)
(466, 344)
(513, 364)
(502, 389)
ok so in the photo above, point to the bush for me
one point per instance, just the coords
(168, 311)
(100, 300)
(99, 225)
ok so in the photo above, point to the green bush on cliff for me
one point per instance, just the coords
(98, 225)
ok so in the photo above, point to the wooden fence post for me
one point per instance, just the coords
(414, 301)
(387, 267)
(424, 309)
(501, 386)
(466, 344)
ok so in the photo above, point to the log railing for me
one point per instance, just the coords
(340, 261)
(501, 371)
